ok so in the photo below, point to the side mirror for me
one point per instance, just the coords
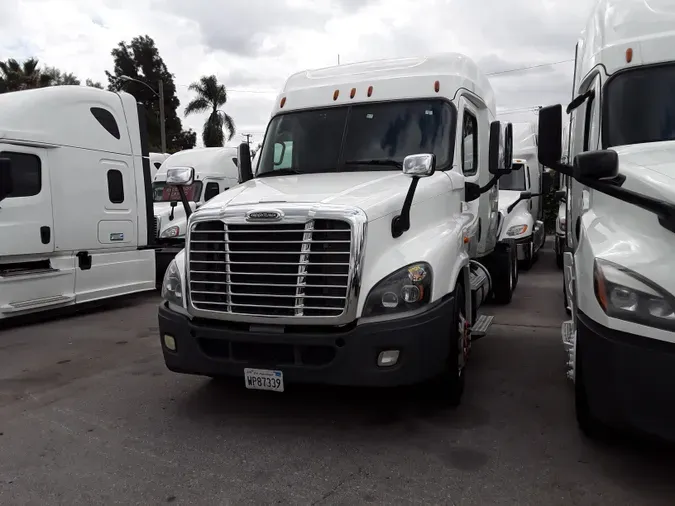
(244, 157)
(560, 196)
(550, 135)
(525, 195)
(420, 165)
(500, 157)
(180, 176)
(547, 180)
(603, 164)
(6, 178)
(507, 162)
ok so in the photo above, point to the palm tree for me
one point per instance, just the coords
(211, 96)
(15, 76)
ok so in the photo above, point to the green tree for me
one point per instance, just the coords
(15, 76)
(94, 84)
(140, 60)
(59, 78)
(211, 96)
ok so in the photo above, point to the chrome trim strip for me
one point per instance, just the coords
(293, 213)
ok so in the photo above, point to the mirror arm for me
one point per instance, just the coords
(512, 206)
(401, 223)
(564, 168)
(184, 200)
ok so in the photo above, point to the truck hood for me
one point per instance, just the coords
(377, 193)
(656, 157)
(506, 198)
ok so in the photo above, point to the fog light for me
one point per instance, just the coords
(169, 342)
(387, 358)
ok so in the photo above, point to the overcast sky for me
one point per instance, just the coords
(253, 45)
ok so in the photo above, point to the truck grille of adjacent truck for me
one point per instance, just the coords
(281, 269)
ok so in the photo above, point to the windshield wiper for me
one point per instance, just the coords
(376, 161)
(280, 172)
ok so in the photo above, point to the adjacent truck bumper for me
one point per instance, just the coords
(629, 379)
(329, 355)
(163, 257)
(523, 246)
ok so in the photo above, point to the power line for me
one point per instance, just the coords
(530, 67)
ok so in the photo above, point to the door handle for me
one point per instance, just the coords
(45, 235)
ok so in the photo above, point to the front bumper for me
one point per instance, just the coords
(629, 379)
(322, 355)
(523, 246)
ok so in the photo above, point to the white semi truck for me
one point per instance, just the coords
(620, 227)
(215, 170)
(360, 249)
(521, 196)
(75, 198)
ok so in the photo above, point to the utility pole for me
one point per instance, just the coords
(162, 121)
(248, 139)
(338, 58)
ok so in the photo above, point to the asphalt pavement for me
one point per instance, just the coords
(90, 415)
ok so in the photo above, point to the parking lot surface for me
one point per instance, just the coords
(90, 415)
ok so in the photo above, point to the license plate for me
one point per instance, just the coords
(264, 379)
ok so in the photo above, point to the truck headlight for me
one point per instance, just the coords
(406, 289)
(516, 230)
(629, 296)
(172, 286)
(171, 232)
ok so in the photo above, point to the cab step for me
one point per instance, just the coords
(481, 327)
(26, 305)
(569, 342)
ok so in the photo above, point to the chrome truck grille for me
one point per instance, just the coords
(291, 271)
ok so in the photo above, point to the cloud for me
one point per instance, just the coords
(254, 45)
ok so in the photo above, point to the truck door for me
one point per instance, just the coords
(26, 222)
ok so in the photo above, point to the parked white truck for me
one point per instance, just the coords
(75, 198)
(618, 263)
(360, 249)
(215, 170)
(156, 160)
(521, 196)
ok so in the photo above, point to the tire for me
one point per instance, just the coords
(448, 387)
(502, 273)
(515, 270)
(527, 262)
(590, 426)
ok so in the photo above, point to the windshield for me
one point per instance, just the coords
(515, 180)
(362, 137)
(161, 192)
(640, 106)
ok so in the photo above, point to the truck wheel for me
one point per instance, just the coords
(514, 267)
(448, 387)
(527, 262)
(502, 273)
(591, 427)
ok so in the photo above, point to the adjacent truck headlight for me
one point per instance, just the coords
(172, 286)
(406, 289)
(629, 296)
(171, 232)
(516, 230)
(562, 222)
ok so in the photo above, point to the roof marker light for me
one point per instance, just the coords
(335, 94)
(437, 86)
(353, 92)
(283, 102)
(370, 90)
(629, 55)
